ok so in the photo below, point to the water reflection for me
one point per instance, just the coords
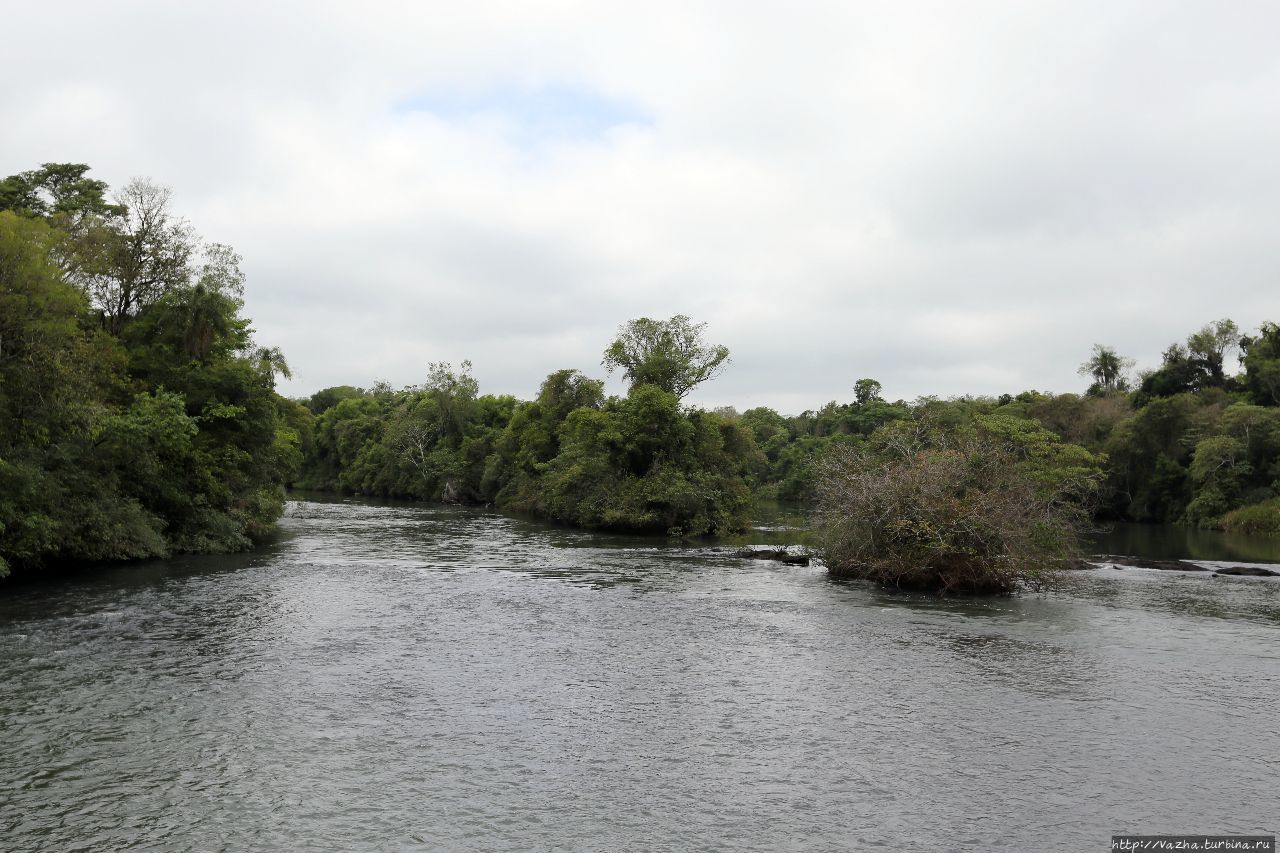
(1174, 542)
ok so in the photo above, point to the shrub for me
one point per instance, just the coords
(987, 509)
(1262, 518)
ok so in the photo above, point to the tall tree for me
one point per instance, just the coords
(1208, 349)
(1262, 364)
(57, 191)
(667, 353)
(867, 391)
(128, 261)
(1108, 369)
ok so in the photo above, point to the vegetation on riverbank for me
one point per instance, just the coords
(641, 462)
(137, 415)
(1187, 443)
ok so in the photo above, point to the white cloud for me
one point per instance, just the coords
(952, 198)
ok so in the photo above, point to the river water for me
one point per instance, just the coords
(398, 677)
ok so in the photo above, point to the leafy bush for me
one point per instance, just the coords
(137, 415)
(1262, 518)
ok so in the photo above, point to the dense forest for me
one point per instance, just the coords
(139, 417)
(1190, 442)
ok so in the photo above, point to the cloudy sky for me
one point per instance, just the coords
(949, 197)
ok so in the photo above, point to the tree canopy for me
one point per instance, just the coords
(669, 354)
(1108, 369)
(159, 431)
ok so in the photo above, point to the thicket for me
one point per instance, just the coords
(641, 462)
(1190, 442)
(137, 415)
(988, 506)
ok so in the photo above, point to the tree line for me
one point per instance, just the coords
(138, 415)
(640, 462)
(970, 493)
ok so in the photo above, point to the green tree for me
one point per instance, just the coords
(165, 436)
(54, 374)
(127, 261)
(1208, 349)
(57, 191)
(1108, 369)
(669, 354)
(1218, 469)
(193, 343)
(568, 390)
(1262, 364)
(325, 399)
(641, 463)
(867, 391)
(1196, 365)
(454, 395)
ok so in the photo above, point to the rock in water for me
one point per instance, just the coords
(1142, 563)
(782, 555)
(1247, 571)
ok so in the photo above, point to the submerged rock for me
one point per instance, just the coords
(782, 555)
(761, 553)
(1247, 571)
(1143, 563)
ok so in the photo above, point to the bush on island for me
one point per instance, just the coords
(987, 507)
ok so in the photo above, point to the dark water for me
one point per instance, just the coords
(1177, 542)
(425, 678)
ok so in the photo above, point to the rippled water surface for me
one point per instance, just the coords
(388, 677)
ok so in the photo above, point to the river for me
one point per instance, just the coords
(400, 677)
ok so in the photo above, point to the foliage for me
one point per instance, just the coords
(867, 391)
(1262, 365)
(1195, 366)
(1108, 370)
(129, 260)
(982, 509)
(1256, 519)
(1208, 350)
(325, 399)
(640, 462)
(132, 439)
(138, 416)
(57, 191)
(667, 353)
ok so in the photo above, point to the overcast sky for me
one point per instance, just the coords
(949, 197)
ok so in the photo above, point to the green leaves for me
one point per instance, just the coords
(669, 354)
(1108, 369)
(56, 190)
(1262, 365)
(167, 437)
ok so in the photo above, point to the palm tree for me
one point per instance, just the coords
(1108, 368)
